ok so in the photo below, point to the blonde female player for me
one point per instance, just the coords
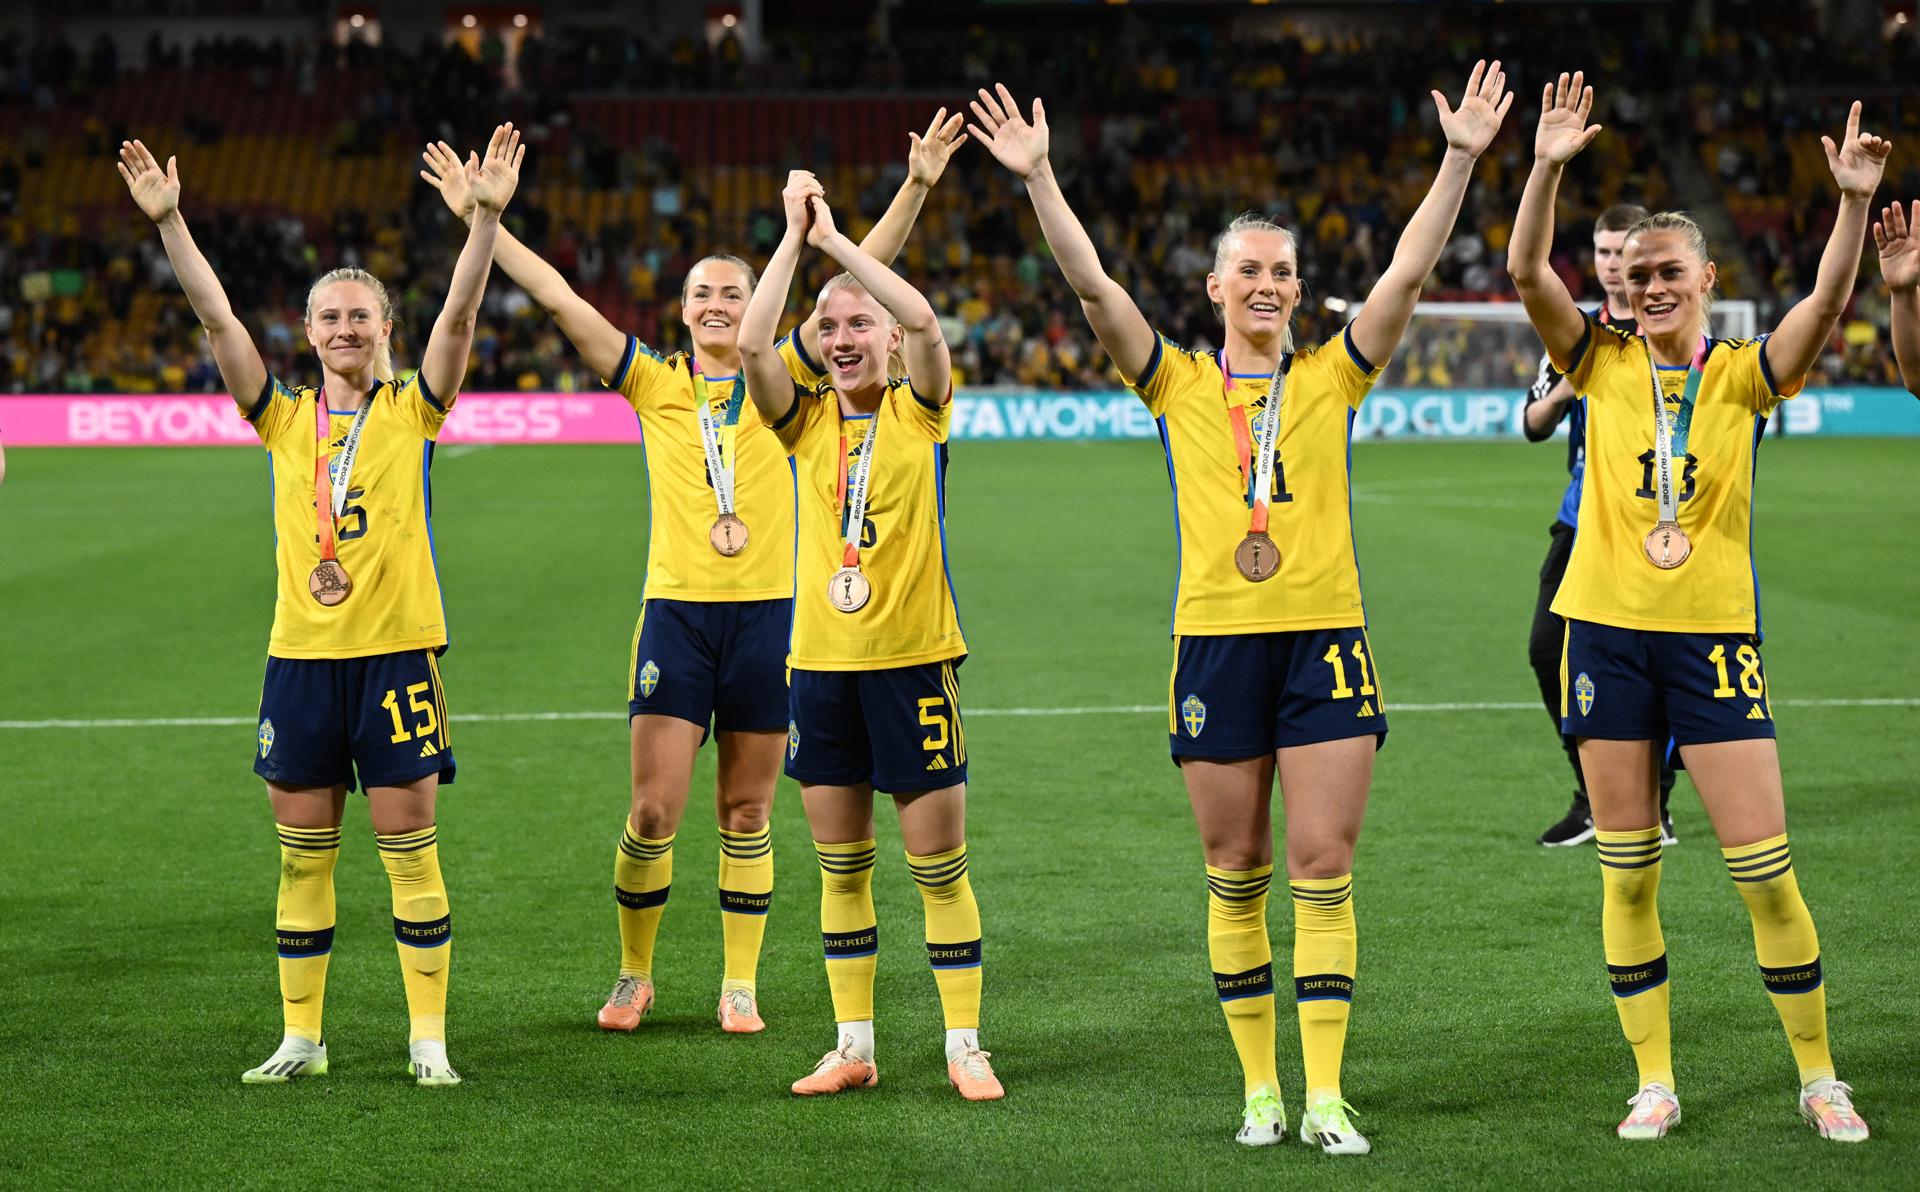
(874, 703)
(1272, 668)
(710, 646)
(352, 691)
(1661, 598)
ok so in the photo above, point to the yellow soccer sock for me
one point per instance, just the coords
(1636, 951)
(953, 933)
(422, 930)
(1788, 949)
(642, 878)
(746, 894)
(1242, 960)
(849, 932)
(303, 924)
(1326, 948)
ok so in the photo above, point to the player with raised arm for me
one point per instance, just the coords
(874, 698)
(1661, 597)
(710, 644)
(1272, 669)
(1550, 401)
(1898, 238)
(352, 690)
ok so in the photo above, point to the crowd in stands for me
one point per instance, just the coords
(1164, 128)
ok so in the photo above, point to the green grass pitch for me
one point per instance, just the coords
(137, 863)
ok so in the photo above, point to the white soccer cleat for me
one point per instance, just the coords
(296, 1057)
(1655, 1110)
(1828, 1107)
(427, 1064)
(1327, 1122)
(1264, 1122)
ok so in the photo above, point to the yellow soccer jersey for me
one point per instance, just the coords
(1310, 515)
(384, 538)
(681, 561)
(910, 618)
(1609, 579)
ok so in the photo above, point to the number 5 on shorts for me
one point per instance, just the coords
(392, 705)
(933, 717)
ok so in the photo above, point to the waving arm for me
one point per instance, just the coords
(1563, 132)
(157, 194)
(1898, 237)
(492, 180)
(1383, 320)
(1021, 145)
(1857, 163)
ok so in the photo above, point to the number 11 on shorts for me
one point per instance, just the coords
(1340, 688)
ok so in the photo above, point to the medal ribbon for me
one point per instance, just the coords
(1258, 478)
(327, 502)
(1667, 442)
(851, 494)
(721, 472)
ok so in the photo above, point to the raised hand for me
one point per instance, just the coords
(929, 151)
(801, 187)
(1859, 159)
(1897, 236)
(1470, 128)
(156, 193)
(821, 228)
(445, 174)
(492, 178)
(1015, 143)
(1564, 131)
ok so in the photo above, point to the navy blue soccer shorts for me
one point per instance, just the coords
(898, 729)
(324, 719)
(1244, 695)
(720, 664)
(1642, 685)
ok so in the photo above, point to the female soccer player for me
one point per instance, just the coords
(1272, 668)
(710, 646)
(1898, 239)
(352, 691)
(874, 703)
(1661, 598)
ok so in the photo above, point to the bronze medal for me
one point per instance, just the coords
(1257, 557)
(728, 535)
(848, 590)
(329, 583)
(1667, 546)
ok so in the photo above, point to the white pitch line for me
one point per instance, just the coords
(1090, 710)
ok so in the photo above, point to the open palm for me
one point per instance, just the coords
(1014, 142)
(1470, 127)
(445, 174)
(493, 178)
(1859, 159)
(1564, 131)
(155, 191)
(1897, 236)
(930, 151)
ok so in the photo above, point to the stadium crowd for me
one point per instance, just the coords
(1170, 129)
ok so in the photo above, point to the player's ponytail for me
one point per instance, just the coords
(1696, 240)
(383, 355)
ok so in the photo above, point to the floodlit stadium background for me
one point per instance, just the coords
(136, 587)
